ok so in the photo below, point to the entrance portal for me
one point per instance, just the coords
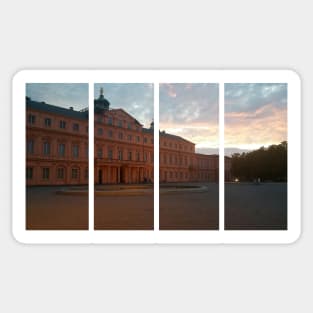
(100, 177)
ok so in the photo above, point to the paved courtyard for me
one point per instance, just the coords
(124, 212)
(256, 207)
(188, 207)
(45, 209)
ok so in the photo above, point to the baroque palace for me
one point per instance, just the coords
(57, 149)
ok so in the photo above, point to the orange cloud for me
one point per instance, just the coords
(264, 126)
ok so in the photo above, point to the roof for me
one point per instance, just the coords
(164, 134)
(126, 113)
(45, 107)
(148, 130)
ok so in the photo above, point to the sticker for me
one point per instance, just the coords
(156, 156)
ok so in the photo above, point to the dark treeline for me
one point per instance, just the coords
(268, 164)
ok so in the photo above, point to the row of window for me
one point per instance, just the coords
(173, 159)
(61, 150)
(181, 175)
(177, 146)
(75, 174)
(60, 173)
(121, 136)
(117, 122)
(171, 175)
(129, 157)
(47, 122)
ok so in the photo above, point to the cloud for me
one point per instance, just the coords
(264, 126)
(190, 111)
(255, 115)
(249, 97)
(136, 99)
(64, 95)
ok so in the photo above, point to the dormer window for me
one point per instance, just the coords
(48, 122)
(76, 127)
(31, 119)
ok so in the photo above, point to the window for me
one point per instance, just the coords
(48, 122)
(30, 146)
(110, 133)
(29, 173)
(138, 139)
(145, 140)
(100, 131)
(129, 126)
(76, 127)
(129, 155)
(99, 153)
(31, 119)
(46, 148)
(129, 137)
(120, 135)
(99, 119)
(62, 124)
(119, 123)
(138, 156)
(110, 154)
(61, 149)
(75, 151)
(60, 173)
(120, 155)
(45, 173)
(75, 173)
(110, 121)
(145, 156)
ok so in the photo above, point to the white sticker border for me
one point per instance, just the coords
(156, 77)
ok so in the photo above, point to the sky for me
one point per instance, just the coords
(63, 95)
(135, 99)
(191, 111)
(255, 115)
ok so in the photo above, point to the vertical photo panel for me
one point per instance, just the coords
(56, 156)
(256, 154)
(123, 156)
(189, 160)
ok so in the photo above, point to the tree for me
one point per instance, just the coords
(268, 164)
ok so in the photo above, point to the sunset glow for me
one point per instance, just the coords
(255, 115)
(191, 111)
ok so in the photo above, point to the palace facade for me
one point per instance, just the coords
(57, 149)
